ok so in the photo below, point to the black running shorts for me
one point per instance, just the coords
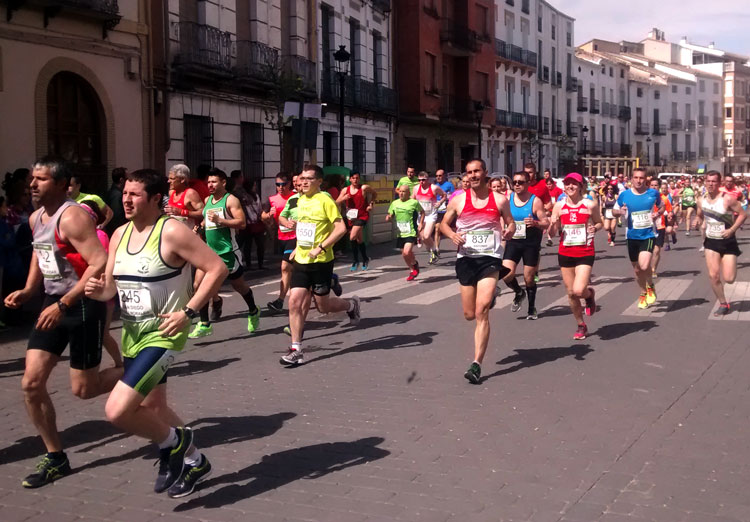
(572, 262)
(724, 247)
(471, 270)
(312, 276)
(636, 246)
(517, 249)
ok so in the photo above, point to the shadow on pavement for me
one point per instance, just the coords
(12, 367)
(386, 342)
(85, 432)
(618, 330)
(208, 432)
(677, 273)
(536, 356)
(278, 469)
(681, 304)
(601, 258)
(193, 367)
(364, 323)
(555, 311)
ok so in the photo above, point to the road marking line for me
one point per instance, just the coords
(346, 276)
(668, 290)
(399, 284)
(600, 289)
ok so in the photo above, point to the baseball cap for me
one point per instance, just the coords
(575, 177)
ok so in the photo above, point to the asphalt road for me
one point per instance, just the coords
(644, 420)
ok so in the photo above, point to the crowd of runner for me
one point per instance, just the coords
(178, 242)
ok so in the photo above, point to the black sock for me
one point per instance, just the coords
(513, 285)
(363, 250)
(250, 300)
(56, 455)
(355, 251)
(204, 315)
(531, 293)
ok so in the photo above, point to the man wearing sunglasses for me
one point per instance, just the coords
(287, 236)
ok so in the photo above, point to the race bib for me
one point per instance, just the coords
(480, 242)
(427, 205)
(352, 213)
(642, 219)
(45, 255)
(714, 230)
(135, 300)
(520, 232)
(306, 234)
(404, 228)
(574, 235)
(214, 211)
(608, 214)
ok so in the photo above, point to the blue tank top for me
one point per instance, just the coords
(523, 212)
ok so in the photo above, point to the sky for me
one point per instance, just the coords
(725, 22)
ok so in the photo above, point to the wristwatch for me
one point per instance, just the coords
(190, 313)
(62, 306)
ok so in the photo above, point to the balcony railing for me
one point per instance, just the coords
(594, 108)
(660, 129)
(625, 149)
(678, 156)
(530, 122)
(358, 93)
(624, 113)
(257, 61)
(106, 12)
(596, 147)
(641, 128)
(690, 125)
(572, 129)
(300, 68)
(459, 37)
(607, 148)
(583, 104)
(613, 110)
(456, 108)
(204, 46)
(605, 108)
(545, 125)
(556, 127)
(703, 152)
(702, 121)
(675, 124)
(384, 6)
(544, 76)
(691, 155)
(502, 118)
(571, 84)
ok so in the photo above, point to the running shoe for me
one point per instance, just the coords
(654, 275)
(667, 247)
(611, 243)
(581, 332)
(687, 233)
(536, 278)
(474, 373)
(47, 471)
(288, 331)
(702, 249)
(591, 303)
(532, 315)
(433, 258)
(517, 300)
(412, 275)
(172, 460)
(201, 330)
(437, 251)
(549, 242)
(292, 358)
(354, 315)
(722, 310)
(354, 267)
(276, 306)
(335, 285)
(642, 301)
(191, 475)
(650, 294)
(216, 309)
(365, 266)
(253, 320)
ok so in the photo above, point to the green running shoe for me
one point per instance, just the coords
(474, 373)
(201, 330)
(253, 320)
(47, 471)
(191, 475)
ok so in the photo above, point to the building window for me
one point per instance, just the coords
(525, 6)
(688, 90)
(416, 153)
(445, 155)
(330, 149)
(716, 87)
(431, 73)
(728, 113)
(569, 39)
(657, 95)
(483, 86)
(381, 155)
(483, 25)
(622, 73)
(611, 72)
(639, 92)
(553, 31)
(199, 141)
(702, 86)
(251, 143)
(354, 31)
(358, 153)
(377, 61)
(510, 2)
(539, 23)
(674, 89)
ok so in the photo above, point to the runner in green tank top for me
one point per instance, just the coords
(222, 217)
(149, 270)
(688, 207)
(409, 217)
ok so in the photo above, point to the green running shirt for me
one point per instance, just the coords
(220, 238)
(407, 216)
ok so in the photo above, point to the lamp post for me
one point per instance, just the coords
(479, 114)
(584, 131)
(648, 150)
(341, 64)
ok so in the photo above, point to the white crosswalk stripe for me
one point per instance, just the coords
(400, 283)
(344, 274)
(738, 296)
(668, 291)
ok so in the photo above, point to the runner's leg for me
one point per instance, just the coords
(39, 365)
(729, 268)
(485, 291)
(713, 265)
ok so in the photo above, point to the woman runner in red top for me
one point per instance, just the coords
(577, 219)
(359, 200)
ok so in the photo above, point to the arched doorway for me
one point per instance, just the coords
(76, 128)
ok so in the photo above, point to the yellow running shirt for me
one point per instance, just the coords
(315, 217)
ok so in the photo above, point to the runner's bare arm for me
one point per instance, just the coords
(450, 214)
(343, 196)
(194, 204)
(108, 214)
(554, 222)
(503, 205)
(33, 280)
(237, 220)
(541, 214)
(77, 228)
(735, 206)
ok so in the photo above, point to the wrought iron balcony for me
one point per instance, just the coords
(678, 156)
(572, 129)
(641, 128)
(556, 127)
(384, 6)
(594, 108)
(545, 126)
(571, 84)
(690, 124)
(624, 113)
(583, 104)
(455, 108)
(458, 39)
(607, 148)
(702, 121)
(703, 152)
(691, 155)
(556, 79)
(515, 54)
(613, 110)
(605, 108)
(529, 58)
(675, 124)
(358, 93)
(106, 12)
(625, 149)
(596, 147)
(204, 46)
(301, 69)
(257, 61)
(502, 118)
(515, 120)
(530, 122)
(660, 129)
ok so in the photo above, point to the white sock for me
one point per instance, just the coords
(193, 458)
(297, 346)
(170, 441)
(351, 305)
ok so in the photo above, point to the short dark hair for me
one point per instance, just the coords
(235, 174)
(354, 173)
(642, 169)
(531, 166)
(316, 169)
(481, 162)
(153, 181)
(58, 167)
(218, 173)
(524, 174)
(713, 173)
(118, 174)
(284, 176)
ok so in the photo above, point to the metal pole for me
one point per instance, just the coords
(301, 144)
(342, 83)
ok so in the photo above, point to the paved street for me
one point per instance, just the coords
(644, 420)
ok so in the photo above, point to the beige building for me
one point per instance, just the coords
(73, 82)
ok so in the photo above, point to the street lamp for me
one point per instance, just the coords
(584, 131)
(648, 150)
(479, 114)
(341, 66)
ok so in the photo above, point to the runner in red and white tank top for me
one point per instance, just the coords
(359, 200)
(577, 219)
(479, 215)
(184, 203)
(427, 194)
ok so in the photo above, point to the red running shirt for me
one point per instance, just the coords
(539, 189)
(575, 240)
(356, 205)
(278, 202)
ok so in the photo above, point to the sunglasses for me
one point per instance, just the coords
(519, 182)
(422, 179)
(280, 184)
